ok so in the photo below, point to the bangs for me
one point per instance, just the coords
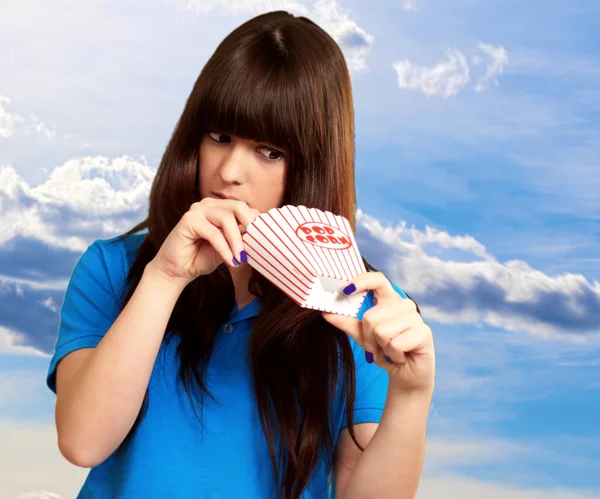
(253, 101)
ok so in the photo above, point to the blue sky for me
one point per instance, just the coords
(477, 140)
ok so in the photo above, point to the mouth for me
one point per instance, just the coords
(225, 196)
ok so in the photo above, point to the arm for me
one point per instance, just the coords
(395, 338)
(100, 391)
(392, 462)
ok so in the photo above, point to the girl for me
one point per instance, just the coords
(178, 370)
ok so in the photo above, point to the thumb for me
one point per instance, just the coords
(350, 325)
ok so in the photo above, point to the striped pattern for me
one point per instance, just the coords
(312, 274)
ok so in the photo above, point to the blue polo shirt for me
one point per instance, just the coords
(169, 455)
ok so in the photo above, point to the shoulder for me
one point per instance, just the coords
(119, 248)
(93, 296)
(109, 260)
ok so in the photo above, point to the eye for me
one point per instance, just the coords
(217, 137)
(272, 154)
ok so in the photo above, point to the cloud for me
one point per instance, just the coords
(355, 41)
(46, 228)
(445, 79)
(235, 7)
(38, 466)
(39, 495)
(12, 124)
(453, 277)
(499, 59)
(471, 488)
(28, 316)
(83, 197)
(409, 5)
(455, 280)
(20, 388)
(452, 75)
(7, 120)
(13, 343)
(512, 467)
(31, 464)
(328, 14)
(49, 304)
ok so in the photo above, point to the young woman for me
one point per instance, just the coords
(179, 371)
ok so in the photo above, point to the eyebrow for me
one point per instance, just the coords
(273, 146)
(258, 143)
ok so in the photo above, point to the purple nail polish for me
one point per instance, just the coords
(243, 257)
(235, 262)
(348, 290)
(389, 360)
(369, 357)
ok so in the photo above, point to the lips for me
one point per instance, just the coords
(225, 196)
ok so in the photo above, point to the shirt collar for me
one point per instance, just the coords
(251, 310)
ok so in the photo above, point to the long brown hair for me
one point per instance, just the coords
(282, 80)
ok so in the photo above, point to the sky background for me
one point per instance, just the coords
(477, 165)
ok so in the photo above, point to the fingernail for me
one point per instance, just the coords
(235, 262)
(369, 357)
(348, 290)
(243, 257)
(389, 360)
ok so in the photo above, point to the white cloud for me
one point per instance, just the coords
(21, 388)
(409, 5)
(12, 123)
(470, 286)
(11, 343)
(454, 485)
(451, 76)
(7, 120)
(455, 278)
(499, 59)
(354, 40)
(18, 284)
(31, 465)
(329, 14)
(30, 461)
(49, 304)
(443, 452)
(234, 7)
(445, 455)
(39, 495)
(93, 193)
(445, 79)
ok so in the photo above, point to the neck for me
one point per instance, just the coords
(241, 277)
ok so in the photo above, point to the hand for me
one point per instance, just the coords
(394, 329)
(207, 235)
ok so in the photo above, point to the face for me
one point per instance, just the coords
(242, 169)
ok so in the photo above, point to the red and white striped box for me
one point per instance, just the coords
(309, 254)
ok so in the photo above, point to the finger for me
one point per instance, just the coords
(412, 340)
(198, 227)
(384, 323)
(371, 320)
(243, 213)
(226, 221)
(379, 313)
(375, 281)
(241, 227)
(349, 325)
(387, 329)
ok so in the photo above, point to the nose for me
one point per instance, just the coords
(232, 166)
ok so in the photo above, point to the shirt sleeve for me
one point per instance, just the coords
(89, 308)
(371, 380)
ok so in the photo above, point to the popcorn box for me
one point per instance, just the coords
(309, 254)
